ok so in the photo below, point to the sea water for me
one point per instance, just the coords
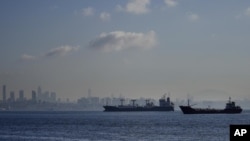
(117, 126)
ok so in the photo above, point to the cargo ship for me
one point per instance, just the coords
(230, 108)
(164, 105)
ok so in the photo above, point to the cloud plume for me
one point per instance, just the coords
(26, 57)
(247, 12)
(63, 50)
(59, 51)
(171, 3)
(120, 40)
(89, 11)
(105, 16)
(193, 17)
(135, 7)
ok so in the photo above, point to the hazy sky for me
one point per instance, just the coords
(134, 48)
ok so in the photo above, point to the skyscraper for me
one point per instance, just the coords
(4, 93)
(33, 96)
(21, 95)
(53, 97)
(12, 96)
(39, 93)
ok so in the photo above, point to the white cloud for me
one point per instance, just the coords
(89, 11)
(193, 17)
(247, 12)
(63, 50)
(120, 40)
(59, 51)
(26, 57)
(135, 7)
(171, 3)
(104, 16)
(119, 8)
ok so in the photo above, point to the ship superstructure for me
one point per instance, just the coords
(164, 105)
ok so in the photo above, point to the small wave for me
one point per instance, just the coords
(20, 137)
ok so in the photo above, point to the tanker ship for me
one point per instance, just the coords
(164, 105)
(230, 108)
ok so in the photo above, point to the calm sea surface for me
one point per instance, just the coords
(121, 126)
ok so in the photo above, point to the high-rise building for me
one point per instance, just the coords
(21, 95)
(4, 93)
(53, 97)
(45, 96)
(33, 96)
(39, 93)
(94, 100)
(12, 96)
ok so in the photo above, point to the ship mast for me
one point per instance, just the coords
(147, 101)
(122, 100)
(133, 100)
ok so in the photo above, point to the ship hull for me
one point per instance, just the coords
(136, 109)
(190, 110)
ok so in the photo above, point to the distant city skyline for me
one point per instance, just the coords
(40, 101)
(11, 96)
(132, 48)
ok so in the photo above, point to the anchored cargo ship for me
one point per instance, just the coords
(230, 108)
(164, 105)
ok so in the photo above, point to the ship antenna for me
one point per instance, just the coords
(122, 100)
(188, 98)
(133, 100)
(164, 96)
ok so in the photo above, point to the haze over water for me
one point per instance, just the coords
(134, 48)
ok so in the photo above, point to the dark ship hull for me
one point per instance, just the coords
(164, 105)
(230, 108)
(136, 109)
(190, 110)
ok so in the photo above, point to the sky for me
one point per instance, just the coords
(133, 48)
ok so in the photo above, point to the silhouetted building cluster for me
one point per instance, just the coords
(36, 96)
(19, 101)
(45, 100)
(45, 96)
